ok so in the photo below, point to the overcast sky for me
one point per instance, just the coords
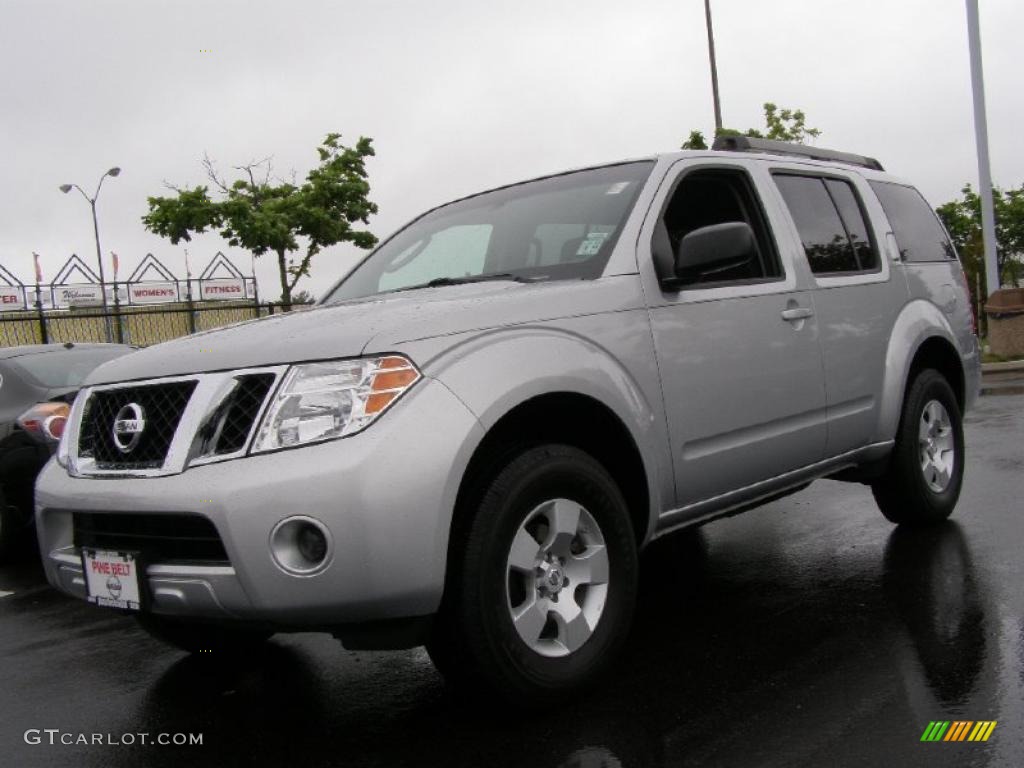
(459, 96)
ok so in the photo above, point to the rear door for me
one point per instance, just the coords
(856, 300)
(738, 355)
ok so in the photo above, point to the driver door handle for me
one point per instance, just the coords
(797, 313)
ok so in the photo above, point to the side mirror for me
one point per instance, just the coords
(709, 250)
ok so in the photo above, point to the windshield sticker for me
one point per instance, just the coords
(592, 243)
(616, 188)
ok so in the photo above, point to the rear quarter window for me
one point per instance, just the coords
(918, 231)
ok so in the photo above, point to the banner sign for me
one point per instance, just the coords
(45, 298)
(222, 289)
(80, 295)
(122, 295)
(11, 297)
(153, 293)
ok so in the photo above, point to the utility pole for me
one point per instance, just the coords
(988, 217)
(714, 67)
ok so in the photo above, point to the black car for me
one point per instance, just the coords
(37, 385)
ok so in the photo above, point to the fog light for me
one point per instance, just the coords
(312, 543)
(301, 546)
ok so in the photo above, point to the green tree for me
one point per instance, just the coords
(696, 140)
(303, 297)
(962, 218)
(779, 124)
(263, 214)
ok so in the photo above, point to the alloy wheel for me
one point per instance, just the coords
(557, 578)
(937, 447)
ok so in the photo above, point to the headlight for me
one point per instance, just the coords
(323, 401)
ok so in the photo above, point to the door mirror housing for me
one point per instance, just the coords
(709, 250)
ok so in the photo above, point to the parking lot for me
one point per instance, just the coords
(808, 632)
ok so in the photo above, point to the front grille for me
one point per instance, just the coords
(164, 538)
(246, 401)
(162, 406)
(228, 428)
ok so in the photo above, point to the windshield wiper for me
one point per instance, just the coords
(438, 282)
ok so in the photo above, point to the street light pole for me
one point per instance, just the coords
(714, 67)
(99, 253)
(988, 217)
(65, 188)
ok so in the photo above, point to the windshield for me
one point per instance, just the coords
(559, 228)
(66, 368)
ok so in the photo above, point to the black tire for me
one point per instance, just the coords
(474, 643)
(6, 528)
(903, 492)
(207, 640)
(15, 532)
(21, 459)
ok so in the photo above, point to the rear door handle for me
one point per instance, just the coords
(797, 313)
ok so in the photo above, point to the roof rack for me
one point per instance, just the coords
(772, 147)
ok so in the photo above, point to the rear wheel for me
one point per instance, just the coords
(203, 639)
(542, 595)
(922, 483)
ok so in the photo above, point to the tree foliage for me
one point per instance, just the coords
(779, 124)
(263, 214)
(962, 218)
(696, 140)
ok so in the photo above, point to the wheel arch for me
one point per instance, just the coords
(568, 418)
(921, 338)
(938, 353)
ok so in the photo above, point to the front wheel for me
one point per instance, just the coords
(922, 483)
(542, 593)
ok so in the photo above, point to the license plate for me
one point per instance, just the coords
(112, 578)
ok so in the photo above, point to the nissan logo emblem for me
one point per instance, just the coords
(128, 426)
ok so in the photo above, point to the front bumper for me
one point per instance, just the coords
(386, 496)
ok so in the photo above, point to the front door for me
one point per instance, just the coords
(739, 353)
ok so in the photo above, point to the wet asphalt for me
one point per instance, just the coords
(808, 632)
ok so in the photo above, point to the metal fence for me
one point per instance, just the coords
(130, 325)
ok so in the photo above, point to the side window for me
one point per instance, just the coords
(830, 222)
(706, 197)
(918, 232)
(853, 219)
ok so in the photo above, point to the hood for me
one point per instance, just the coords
(376, 324)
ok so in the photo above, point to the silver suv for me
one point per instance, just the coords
(470, 438)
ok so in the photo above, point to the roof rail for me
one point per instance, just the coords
(772, 147)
